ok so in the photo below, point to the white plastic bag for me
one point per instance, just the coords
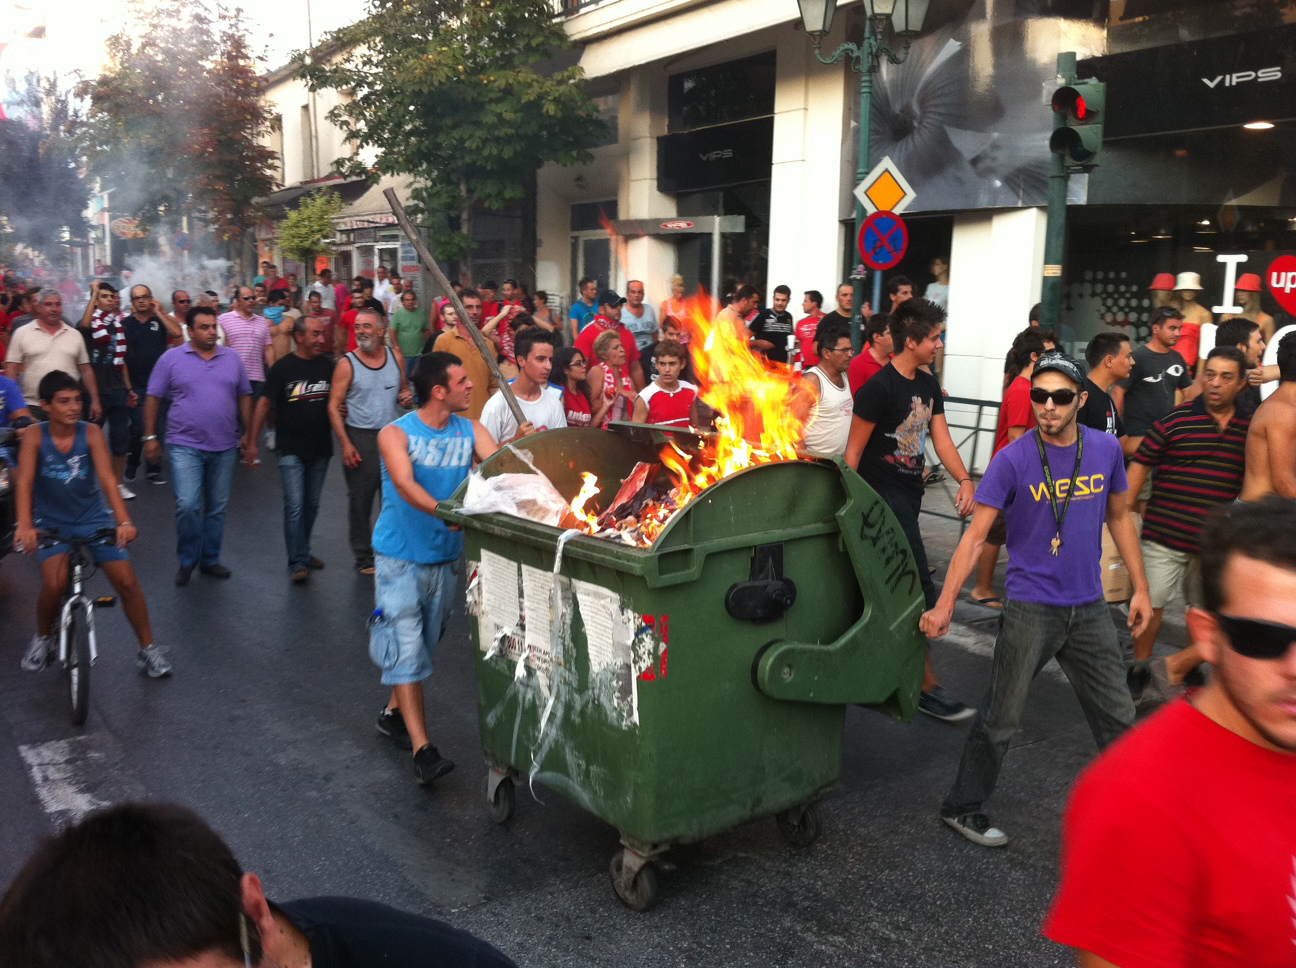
(529, 496)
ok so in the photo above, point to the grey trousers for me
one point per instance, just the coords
(1083, 639)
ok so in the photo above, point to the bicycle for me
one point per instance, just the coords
(77, 648)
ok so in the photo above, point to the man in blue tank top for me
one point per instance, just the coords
(65, 473)
(426, 455)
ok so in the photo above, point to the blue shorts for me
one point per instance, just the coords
(415, 601)
(100, 552)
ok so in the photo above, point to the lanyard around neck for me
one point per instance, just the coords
(1059, 517)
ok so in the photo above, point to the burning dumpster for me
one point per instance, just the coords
(677, 672)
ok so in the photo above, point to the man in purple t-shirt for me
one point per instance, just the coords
(209, 392)
(1056, 487)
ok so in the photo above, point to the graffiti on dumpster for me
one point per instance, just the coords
(894, 554)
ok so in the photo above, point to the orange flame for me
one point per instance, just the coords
(760, 418)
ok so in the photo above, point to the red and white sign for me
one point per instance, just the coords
(1281, 280)
(677, 224)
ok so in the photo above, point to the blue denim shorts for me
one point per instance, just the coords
(415, 602)
(100, 552)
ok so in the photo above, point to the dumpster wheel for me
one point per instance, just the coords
(634, 878)
(799, 825)
(501, 799)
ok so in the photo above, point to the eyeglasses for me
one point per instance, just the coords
(1256, 639)
(1063, 397)
(183, 302)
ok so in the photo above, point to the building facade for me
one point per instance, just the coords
(723, 108)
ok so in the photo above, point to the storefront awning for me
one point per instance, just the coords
(716, 24)
(285, 200)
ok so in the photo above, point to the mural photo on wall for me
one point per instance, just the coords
(944, 114)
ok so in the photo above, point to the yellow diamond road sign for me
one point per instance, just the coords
(885, 189)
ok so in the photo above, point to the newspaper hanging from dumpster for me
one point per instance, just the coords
(525, 618)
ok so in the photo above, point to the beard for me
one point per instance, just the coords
(367, 343)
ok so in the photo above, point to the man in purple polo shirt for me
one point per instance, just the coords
(248, 335)
(209, 392)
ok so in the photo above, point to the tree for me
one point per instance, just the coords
(302, 233)
(42, 193)
(176, 117)
(454, 93)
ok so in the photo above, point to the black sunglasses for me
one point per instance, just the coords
(1062, 398)
(1256, 639)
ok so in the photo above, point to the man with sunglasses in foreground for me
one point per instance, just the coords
(1179, 846)
(1056, 486)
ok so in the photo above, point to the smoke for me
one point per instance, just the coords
(164, 275)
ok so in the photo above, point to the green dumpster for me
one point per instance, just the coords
(678, 690)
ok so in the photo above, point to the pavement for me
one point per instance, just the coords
(267, 730)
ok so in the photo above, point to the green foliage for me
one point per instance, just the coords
(455, 93)
(302, 233)
(175, 119)
(42, 192)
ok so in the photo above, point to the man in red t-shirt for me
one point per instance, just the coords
(812, 306)
(876, 353)
(609, 317)
(1179, 846)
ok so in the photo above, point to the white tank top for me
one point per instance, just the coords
(830, 420)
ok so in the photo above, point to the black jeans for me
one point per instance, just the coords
(906, 505)
(363, 485)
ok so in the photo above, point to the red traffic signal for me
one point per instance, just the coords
(1069, 101)
(1078, 121)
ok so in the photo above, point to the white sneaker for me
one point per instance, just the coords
(153, 662)
(270, 440)
(38, 653)
(126, 493)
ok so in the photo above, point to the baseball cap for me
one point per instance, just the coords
(609, 297)
(1056, 362)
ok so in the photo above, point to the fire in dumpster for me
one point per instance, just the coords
(757, 404)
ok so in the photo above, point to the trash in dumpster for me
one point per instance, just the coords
(757, 423)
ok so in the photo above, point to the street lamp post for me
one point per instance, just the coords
(866, 59)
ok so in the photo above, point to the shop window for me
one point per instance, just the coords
(720, 94)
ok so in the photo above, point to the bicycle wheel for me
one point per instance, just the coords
(78, 665)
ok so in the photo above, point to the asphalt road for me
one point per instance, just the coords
(266, 729)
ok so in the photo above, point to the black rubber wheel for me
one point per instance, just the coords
(503, 803)
(800, 825)
(641, 893)
(78, 666)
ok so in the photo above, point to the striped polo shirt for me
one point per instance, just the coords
(1197, 469)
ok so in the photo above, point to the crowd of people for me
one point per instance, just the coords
(1136, 449)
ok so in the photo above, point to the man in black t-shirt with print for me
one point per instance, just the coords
(894, 411)
(297, 387)
(1158, 375)
(772, 327)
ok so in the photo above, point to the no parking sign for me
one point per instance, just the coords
(883, 240)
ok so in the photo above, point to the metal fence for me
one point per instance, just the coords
(972, 425)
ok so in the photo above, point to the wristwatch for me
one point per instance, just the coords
(152, 437)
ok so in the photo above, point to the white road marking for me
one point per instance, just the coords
(54, 768)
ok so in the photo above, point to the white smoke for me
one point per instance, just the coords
(164, 275)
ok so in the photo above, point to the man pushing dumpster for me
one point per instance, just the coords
(1055, 487)
(426, 455)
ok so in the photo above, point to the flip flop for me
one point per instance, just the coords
(994, 601)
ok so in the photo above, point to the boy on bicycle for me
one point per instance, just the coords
(64, 475)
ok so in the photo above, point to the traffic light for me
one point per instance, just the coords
(1079, 137)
